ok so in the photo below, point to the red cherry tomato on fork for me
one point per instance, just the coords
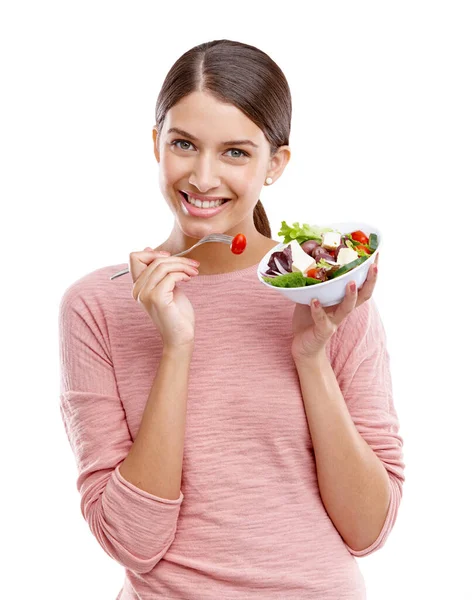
(238, 244)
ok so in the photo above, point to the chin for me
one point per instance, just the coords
(199, 229)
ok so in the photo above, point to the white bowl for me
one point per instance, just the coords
(328, 292)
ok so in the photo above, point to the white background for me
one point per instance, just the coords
(382, 133)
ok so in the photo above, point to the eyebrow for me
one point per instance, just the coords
(194, 139)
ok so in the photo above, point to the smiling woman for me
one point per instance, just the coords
(228, 446)
(212, 173)
(219, 134)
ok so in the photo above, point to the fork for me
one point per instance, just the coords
(213, 237)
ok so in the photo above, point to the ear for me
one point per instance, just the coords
(155, 142)
(278, 162)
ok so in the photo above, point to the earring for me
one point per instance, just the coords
(268, 180)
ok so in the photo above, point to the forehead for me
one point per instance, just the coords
(211, 120)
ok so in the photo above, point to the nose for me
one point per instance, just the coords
(205, 174)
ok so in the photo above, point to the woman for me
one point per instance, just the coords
(230, 444)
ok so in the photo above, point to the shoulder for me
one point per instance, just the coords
(92, 291)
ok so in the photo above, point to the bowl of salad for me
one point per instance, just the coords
(318, 262)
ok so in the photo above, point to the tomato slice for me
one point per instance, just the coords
(314, 273)
(364, 247)
(360, 236)
(238, 244)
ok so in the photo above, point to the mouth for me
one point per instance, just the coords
(199, 208)
(203, 203)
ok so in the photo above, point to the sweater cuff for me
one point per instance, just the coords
(137, 527)
(141, 492)
(388, 524)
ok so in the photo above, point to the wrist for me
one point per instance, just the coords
(182, 351)
(319, 359)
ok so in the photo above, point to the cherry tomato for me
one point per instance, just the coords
(238, 244)
(360, 236)
(315, 273)
(365, 248)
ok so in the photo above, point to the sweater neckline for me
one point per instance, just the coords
(230, 275)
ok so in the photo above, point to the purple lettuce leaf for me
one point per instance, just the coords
(284, 258)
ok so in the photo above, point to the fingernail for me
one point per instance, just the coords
(316, 303)
(375, 269)
(195, 262)
(352, 286)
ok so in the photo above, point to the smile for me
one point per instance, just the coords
(205, 208)
(203, 203)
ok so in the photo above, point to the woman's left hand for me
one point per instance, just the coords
(314, 325)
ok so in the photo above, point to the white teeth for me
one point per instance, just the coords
(205, 203)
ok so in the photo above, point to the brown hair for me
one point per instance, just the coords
(239, 74)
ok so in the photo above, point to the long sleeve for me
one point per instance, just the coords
(134, 527)
(361, 363)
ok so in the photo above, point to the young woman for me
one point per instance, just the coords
(229, 443)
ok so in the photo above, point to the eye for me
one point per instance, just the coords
(237, 150)
(176, 143)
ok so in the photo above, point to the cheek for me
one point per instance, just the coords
(253, 186)
(171, 169)
(244, 181)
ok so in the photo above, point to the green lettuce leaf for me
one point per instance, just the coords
(349, 244)
(324, 264)
(291, 280)
(301, 233)
(362, 253)
(353, 242)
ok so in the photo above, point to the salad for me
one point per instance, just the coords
(316, 254)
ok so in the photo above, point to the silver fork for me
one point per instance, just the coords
(213, 237)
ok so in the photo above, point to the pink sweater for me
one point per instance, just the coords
(249, 522)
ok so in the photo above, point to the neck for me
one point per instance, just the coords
(217, 258)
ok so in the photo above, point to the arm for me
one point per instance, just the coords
(353, 427)
(353, 482)
(134, 525)
(154, 462)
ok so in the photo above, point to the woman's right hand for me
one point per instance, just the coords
(155, 274)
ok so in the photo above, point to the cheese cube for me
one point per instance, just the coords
(302, 261)
(331, 240)
(346, 255)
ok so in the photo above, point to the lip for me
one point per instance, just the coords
(201, 212)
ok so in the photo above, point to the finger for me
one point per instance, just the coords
(322, 321)
(367, 289)
(152, 274)
(162, 293)
(348, 304)
(138, 261)
(157, 274)
(158, 258)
